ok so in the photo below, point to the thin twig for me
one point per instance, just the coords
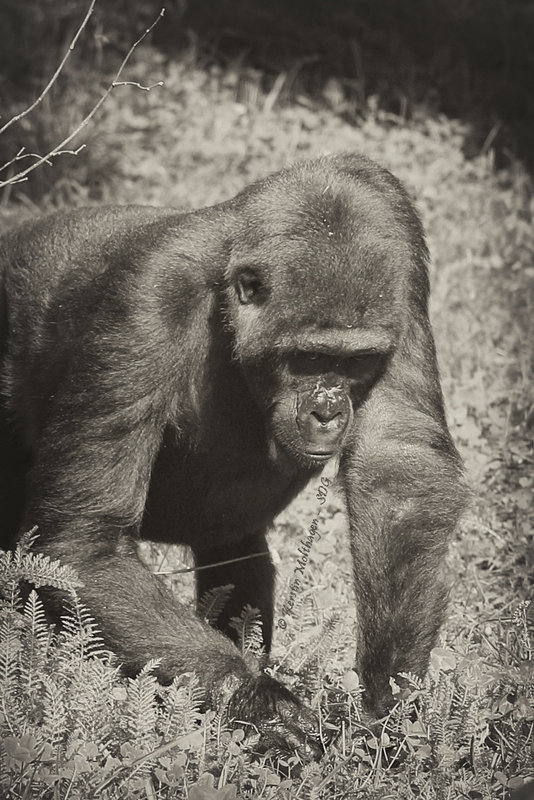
(138, 85)
(56, 74)
(21, 155)
(62, 145)
(210, 566)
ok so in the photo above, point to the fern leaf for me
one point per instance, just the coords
(141, 710)
(40, 570)
(181, 702)
(212, 603)
(322, 643)
(91, 701)
(11, 627)
(80, 636)
(249, 630)
(55, 721)
(36, 640)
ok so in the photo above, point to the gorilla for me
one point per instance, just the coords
(180, 377)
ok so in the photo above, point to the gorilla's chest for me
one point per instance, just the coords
(216, 496)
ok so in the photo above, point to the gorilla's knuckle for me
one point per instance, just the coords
(282, 721)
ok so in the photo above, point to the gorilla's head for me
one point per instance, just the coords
(317, 296)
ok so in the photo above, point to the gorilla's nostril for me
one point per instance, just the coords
(325, 418)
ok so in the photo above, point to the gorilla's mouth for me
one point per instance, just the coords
(320, 455)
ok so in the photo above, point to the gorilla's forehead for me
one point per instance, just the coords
(337, 245)
(325, 204)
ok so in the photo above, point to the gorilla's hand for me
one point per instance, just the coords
(284, 723)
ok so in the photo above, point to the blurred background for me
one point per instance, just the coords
(469, 59)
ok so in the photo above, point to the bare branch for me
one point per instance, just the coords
(62, 146)
(138, 85)
(21, 155)
(56, 74)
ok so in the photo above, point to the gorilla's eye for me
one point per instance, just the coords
(249, 287)
(363, 356)
(312, 362)
(310, 355)
(362, 365)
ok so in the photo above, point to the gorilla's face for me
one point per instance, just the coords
(311, 413)
(308, 397)
(314, 298)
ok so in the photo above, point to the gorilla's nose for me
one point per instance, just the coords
(326, 415)
(327, 407)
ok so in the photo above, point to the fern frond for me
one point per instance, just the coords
(38, 627)
(212, 603)
(10, 596)
(458, 716)
(80, 637)
(141, 711)
(438, 713)
(91, 702)
(37, 638)
(249, 628)
(150, 667)
(181, 702)
(322, 643)
(40, 570)
(27, 540)
(11, 628)
(54, 724)
(12, 700)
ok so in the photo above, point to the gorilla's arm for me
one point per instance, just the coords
(404, 497)
(252, 578)
(87, 492)
(99, 403)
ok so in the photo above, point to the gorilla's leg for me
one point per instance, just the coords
(251, 573)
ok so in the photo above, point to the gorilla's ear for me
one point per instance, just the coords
(250, 286)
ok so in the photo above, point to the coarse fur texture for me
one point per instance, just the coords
(180, 377)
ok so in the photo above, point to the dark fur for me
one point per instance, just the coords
(155, 382)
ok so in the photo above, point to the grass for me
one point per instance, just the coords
(197, 141)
